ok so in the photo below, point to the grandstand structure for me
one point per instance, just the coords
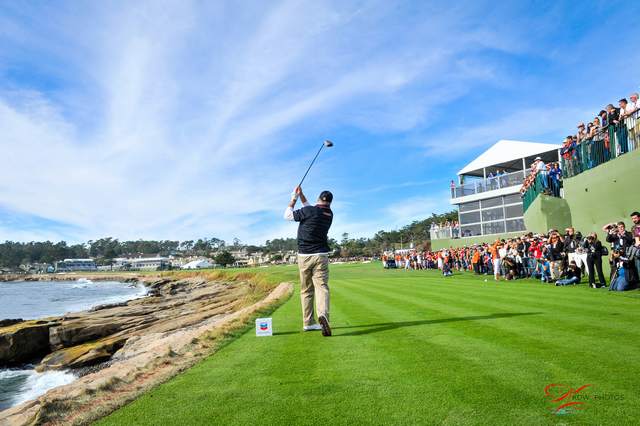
(602, 192)
(488, 192)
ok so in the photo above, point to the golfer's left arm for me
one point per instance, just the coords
(288, 212)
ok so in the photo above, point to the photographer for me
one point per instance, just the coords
(622, 278)
(623, 273)
(594, 249)
(635, 231)
(618, 236)
(620, 240)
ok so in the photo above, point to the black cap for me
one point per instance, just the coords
(326, 196)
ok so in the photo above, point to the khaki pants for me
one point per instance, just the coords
(314, 284)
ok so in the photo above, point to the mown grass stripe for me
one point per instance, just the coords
(424, 370)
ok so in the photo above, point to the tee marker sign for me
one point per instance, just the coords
(264, 327)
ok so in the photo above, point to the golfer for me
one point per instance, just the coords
(313, 257)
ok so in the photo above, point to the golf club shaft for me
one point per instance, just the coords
(312, 161)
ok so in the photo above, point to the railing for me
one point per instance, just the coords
(609, 143)
(532, 192)
(445, 232)
(483, 185)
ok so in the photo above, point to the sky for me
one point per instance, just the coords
(195, 119)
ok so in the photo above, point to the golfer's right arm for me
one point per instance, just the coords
(288, 212)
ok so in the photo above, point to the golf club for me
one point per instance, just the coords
(326, 143)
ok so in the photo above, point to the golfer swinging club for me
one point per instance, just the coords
(313, 257)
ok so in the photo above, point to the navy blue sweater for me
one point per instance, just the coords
(315, 222)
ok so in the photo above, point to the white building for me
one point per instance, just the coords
(70, 265)
(141, 263)
(198, 264)
(489, 204)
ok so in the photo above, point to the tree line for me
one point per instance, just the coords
(104, 250)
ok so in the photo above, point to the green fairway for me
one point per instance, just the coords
(413, 347)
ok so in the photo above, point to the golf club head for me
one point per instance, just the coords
(328, 143)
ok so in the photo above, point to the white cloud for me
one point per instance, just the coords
(420, 207)
(529, 124)
(171, 117)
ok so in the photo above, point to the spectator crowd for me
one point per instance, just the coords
(560, 258)
(611, 133)
(548, 178)
(614, 131)
(447, 229)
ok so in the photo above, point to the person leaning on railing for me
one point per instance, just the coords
(567, 155)
(631, 121)
(623, 131)
(555, 176)
(595, 147)
(605, 135)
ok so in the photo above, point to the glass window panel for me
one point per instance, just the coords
(512, 199)
(515, 225)
(465, 207)
(480, 186)
(470, 230)
(492, 214)
(466, 218)
(493, 227)
(514, 211)
(492, 202)
(512, 179)
(466, 189)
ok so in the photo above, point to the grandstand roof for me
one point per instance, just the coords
(505, 152)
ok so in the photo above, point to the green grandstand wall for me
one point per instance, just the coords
(546, 212)
(461, 242)
(607, 193)
(604, 194)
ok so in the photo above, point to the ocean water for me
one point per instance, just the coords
(37, 299)
(23, 384)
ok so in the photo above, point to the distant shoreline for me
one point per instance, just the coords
(73, 276)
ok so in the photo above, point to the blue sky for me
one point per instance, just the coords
(189, 119)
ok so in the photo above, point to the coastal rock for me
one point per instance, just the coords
(24, 341)
(147, 359)
(8, 322)
(79, 330)
(82, 355)
(86, 338)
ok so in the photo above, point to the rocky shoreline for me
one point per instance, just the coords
(129, 337)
